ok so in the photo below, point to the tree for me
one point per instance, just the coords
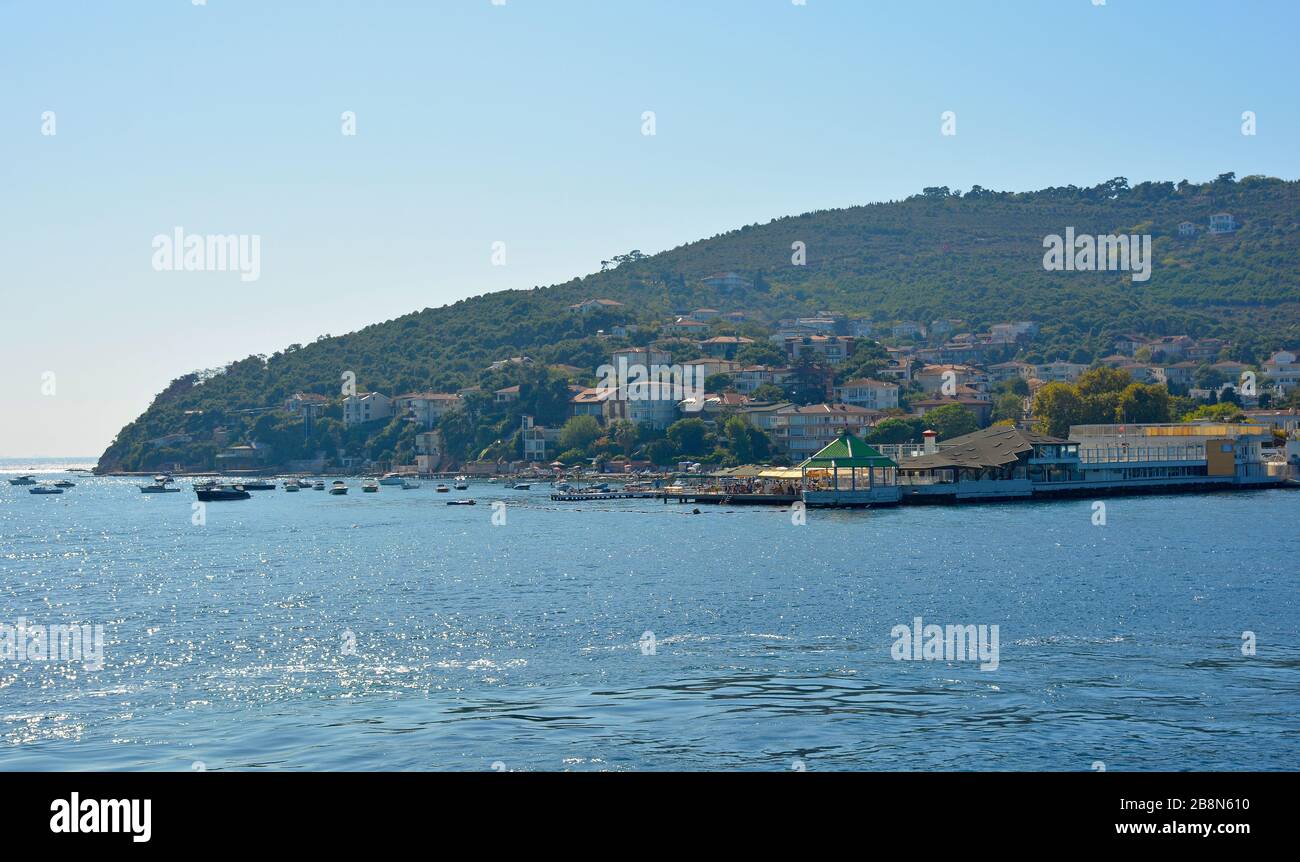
(717, 383)
(1143, 402)
(579, 433)
(625, 435)
(769, 392)
(1221, 412)
(660, 452)
(747, 443)
(1008, 406)
(762, 353)
(951, 420)
(689, 436)
(894, 430)
(1057, 406)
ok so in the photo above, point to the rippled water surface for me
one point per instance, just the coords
(519, 644)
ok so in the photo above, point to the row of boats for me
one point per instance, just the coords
(56, 487)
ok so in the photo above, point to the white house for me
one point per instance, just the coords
(366, 407)
(307, 404)
(1281, 371)
(1222, 223)
(805, 431)
(868, 393)
(1186, 229)
(427, 408)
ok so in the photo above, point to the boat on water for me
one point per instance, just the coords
(443, 489)
(23, 480)
(220, 493)
(391, 479)
(318, 486)
(339, 487)
(293, 486)
(161, 485)
(63, 483)
(461, 503)
(461, 486)
(492, 480)
(258, 486)
(370, 486)
(521, 486)
(409, 484)
(44, 489)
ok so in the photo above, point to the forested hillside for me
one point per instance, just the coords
(977, 256)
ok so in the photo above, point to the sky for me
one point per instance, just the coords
(523, 123)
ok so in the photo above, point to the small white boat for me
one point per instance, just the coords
(292, 486)
(462, 486)
(492, 480)
(409, 484)
(370, 486)
(63, 483)
(44, 489)
(23, 480)
(391, 479)
(521, 486)
(443, 489)
(161, 485)
(339, 487)
(318, 486)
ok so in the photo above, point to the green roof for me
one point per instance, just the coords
(848, 451)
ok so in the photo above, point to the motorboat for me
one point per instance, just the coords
(161, 485)
(63, 483)
(23, 480)
(370, 486)
(258, 486)
(339, 487)
(44, 489)
(521, 486)
(318, 486)
(443, 489)
(462, 486)
(292, 486)
(492, 480)
(409, 484)
(461, 503)
(220, 493)
(391, 479)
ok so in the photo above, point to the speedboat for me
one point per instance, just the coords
(521, 486)
(339, 487)
(461, 503)
(391, 479)
(492, 480)
(161, 485)
(292, 486)
(318, 486)
(409, 484)
(462, 486)
(23, 480)
(259, 486)
(219, 493)
(370, 486)
(443, 489)
(44, 489)
(63, 483)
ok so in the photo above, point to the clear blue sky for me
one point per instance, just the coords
(522, 123)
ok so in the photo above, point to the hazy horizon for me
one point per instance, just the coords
(523, 124)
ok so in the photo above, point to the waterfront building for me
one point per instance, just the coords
(849, 472)
(992, 464)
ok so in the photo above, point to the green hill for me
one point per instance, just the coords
(975, 256)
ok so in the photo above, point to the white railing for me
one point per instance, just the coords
(1145, 454)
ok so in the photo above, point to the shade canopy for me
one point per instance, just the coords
(847, 452)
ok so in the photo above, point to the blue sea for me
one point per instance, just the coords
(391, 631)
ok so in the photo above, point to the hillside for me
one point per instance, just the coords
(975, 256)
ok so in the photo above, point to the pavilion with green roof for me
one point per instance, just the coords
(848, 464)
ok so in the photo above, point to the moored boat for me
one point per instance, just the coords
(521, 486)
(391, 479)
(219, 493)
(461, 503)
(63, 483)
(370, 486)
(318, 486)
(23, 480)
(161, 485)
(339, 487)
(292, 486)
(443, 489)
(44, 489)
(409, 484)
